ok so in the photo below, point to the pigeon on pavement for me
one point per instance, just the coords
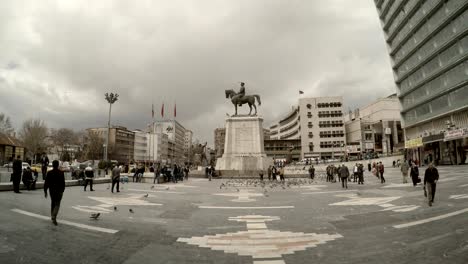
(130, 210)
(95, 216)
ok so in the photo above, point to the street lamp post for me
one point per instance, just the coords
(111, 99)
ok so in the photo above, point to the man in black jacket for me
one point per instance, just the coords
(431, 176)
(16, 175)
(44, 165)
(55, 183)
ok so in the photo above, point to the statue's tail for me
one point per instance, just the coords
(258, 99)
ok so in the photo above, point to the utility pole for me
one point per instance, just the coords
(111, 99)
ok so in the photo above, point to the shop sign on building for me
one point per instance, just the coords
(456, 134)
(369, 145)
(433, 138)
(413, 143)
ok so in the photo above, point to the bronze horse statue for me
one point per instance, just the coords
(246, 99)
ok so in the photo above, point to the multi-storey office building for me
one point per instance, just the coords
(219, 139)
(176, 136)
(188, 144)
(121, 142)
(375, 128)
(140, 148)
(318, 123)
(428, 46)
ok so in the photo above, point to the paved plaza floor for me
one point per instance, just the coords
(196, 221)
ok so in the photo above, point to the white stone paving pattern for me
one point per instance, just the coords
(260, 242)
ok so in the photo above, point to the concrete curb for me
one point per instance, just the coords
(40, 185)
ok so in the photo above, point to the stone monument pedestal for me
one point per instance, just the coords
(244, 154)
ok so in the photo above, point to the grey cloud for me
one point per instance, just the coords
(187, 53)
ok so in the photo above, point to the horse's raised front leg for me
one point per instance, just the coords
(250, 112)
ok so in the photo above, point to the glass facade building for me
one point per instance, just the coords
(427, 42)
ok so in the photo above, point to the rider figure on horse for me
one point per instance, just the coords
(241, 93)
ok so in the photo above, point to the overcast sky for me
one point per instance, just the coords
(58, 58)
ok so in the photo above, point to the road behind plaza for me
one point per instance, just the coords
(370, 223)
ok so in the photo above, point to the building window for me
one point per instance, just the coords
(311, 135)
(368, 136)
(310, 125)
(309, 106)
(309, 114)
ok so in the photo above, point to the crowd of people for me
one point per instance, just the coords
(275, 172)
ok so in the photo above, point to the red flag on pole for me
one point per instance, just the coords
(175, 110)
(162, 110)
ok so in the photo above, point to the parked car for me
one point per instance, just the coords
(65, 166)
(8, 165)
(25, 165)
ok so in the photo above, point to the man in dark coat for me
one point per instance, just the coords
(16, 175)
(414, 173)
(360, 173)
(344, 174)
(312, 172)
(44, 165)
(431, 176)
(115, 178)
(27, 178)
(55, 183)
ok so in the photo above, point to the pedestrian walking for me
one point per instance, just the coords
(381, 172)
(269, 170)
(369, 166)
(431, 176)
(157, 171)
(344, 174)
(186, 170)
(16, 175)
(210, 172)
(115, 178)
(312, 172)
(281, 173)
(89, 177)
(404, 171)
(414, 174)
(360, 173)
(261, 175)
(355, 173)
(55, 183)
(44, 165)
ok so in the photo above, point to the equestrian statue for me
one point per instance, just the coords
(238, 99)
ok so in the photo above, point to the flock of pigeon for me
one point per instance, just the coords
(242, 183)
(265, 185)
